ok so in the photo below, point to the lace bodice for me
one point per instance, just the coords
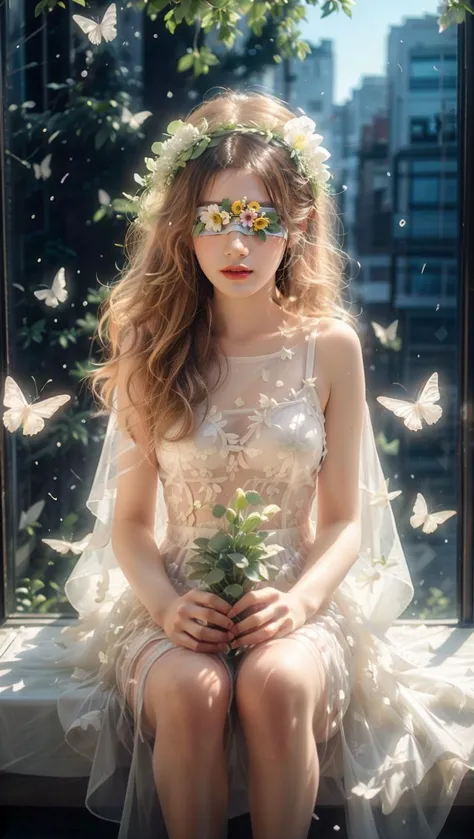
(264, 431)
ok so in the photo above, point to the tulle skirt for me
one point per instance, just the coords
(396, 750)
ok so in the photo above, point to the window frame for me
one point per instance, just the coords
(465, 450)
(465, 579)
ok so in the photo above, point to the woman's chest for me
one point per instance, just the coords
(275, 438)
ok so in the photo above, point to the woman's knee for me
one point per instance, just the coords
(269, 686)
(190, 689)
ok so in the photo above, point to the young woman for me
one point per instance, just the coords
(232, 364)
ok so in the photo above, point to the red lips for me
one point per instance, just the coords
(230, 269)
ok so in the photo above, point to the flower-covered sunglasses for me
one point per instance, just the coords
(248, 217)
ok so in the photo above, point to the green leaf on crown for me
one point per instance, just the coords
(174, 126)
(200, 148)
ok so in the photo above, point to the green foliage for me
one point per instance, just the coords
(223, 17)
(235, 558)
(437, 605)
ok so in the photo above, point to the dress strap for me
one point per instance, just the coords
(310, 354)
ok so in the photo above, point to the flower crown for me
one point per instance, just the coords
(188, 142)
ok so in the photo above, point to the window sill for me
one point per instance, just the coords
(445, 650)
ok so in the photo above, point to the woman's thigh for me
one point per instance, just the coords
(179, 683)
(296, 666)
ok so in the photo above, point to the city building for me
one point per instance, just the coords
(309, 85)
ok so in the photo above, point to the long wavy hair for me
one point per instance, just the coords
(159, 314)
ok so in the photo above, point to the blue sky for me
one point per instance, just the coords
(360, 43)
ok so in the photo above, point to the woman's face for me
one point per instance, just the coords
(218, 251)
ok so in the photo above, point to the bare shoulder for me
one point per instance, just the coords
(336, 336)
(339, 349)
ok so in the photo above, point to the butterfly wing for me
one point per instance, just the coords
(37, 171)
(48, 296)
(380, 332)
(79, 547)
(31, 515)
(430, 412)
(435, 519)
(420, 511)
(408, 410)
(391, 331)
(42, 293)
(45, 167)
(14, 400)
(104, 198)
(59, 286)
(138, 119)
(108, 27)
(13, 396)
(60, 545)
(383, 496)
(90, 28)
(39, 411)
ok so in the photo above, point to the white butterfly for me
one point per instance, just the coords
(134, 120)
(31, 515)
(43, 169)
(386, 335)
(383, 496)
(62, 546)
(428, 521)
(367, 791)
(423, 408)
(29, 415)
(106, 29)
(57, 293)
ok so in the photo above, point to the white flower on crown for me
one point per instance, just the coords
(189, 142)
(299, 134)
(185, 136)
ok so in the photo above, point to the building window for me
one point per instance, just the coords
(433, 72)
(434, 190)
(439, 128)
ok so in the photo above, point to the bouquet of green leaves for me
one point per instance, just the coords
(236, 558)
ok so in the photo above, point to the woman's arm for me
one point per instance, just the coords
(337, 538)
(133, 540)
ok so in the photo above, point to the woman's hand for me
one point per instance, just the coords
(188, 620)
(273, 614)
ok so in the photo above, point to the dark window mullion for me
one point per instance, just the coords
(466, 315)
(3, 343)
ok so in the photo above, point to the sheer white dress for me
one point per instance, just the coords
(401, 740)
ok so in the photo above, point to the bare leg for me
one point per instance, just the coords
(281, 701)
(185, 701)
(192, 785)
(283, 781)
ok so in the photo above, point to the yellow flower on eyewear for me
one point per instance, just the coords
(238, 207)
(254, 206)
(261, 223)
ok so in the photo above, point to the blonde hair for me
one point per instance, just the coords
(158, 314)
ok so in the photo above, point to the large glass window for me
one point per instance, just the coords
(431, 72)
(79, 119)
